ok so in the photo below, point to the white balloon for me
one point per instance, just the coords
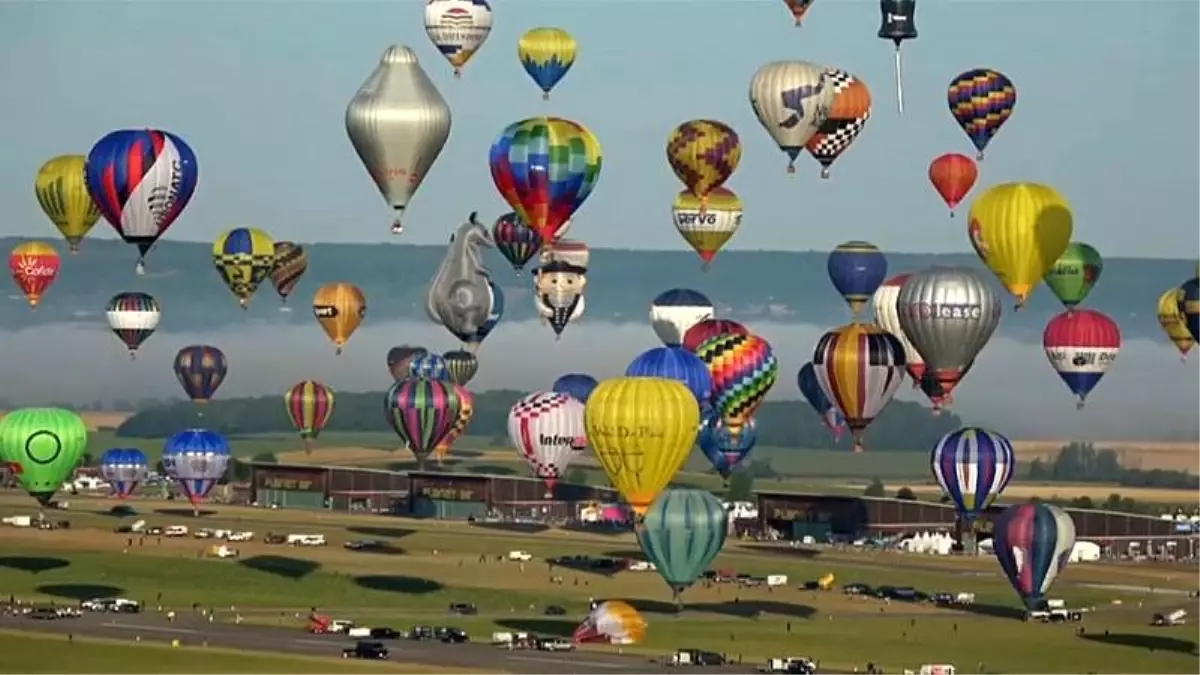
(791, 99)
(458, 28)
(547, 428)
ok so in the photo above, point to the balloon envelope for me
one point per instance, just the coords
(579, 385)
(973, 466)
(124, 468)
(675, 311)
(41, 447)
(1033, 544)
(682, 533)
(197, 459)
(674, 363)
(723, 450)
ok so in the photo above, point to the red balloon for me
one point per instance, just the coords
(710, 328)
(953, 175)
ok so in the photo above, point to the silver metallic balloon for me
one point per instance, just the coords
(949, 314)
(398, 123)
(459, 296)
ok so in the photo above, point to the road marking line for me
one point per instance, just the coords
(593, 664)
(323, 643)
(158, 629)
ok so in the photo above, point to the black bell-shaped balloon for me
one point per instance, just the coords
(897, 20)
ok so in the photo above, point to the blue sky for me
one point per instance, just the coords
(1106, 112)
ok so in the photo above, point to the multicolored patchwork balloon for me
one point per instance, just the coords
(708, 329)
(981, 100)
(743, 369)
(516, 241)
(545, 167)
(422, 413)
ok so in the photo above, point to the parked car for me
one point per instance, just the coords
(555, 644)
(451, 635)
(856, 588)
(274, 539)
(555, 610)
(420, 633)
(365, 545)
(385, 633)
(43, 614)
(463, 608)
(366, 650)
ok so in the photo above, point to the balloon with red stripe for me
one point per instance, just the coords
(309, 405)
(859, 367)
(547, 429)
(1081, 345)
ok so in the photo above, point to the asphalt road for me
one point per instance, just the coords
(195, 632)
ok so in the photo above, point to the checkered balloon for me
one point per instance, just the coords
(743, 370)
(547, 429)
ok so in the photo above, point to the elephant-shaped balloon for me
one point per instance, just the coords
(461, 296)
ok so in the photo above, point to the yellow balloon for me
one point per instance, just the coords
(1172, 321)
(244, 257)
(642, 430)
(62, 192)
(1019, 230)
(339, 307)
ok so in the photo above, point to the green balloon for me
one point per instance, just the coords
(1075, 273)
(681, 534)
(41, 447)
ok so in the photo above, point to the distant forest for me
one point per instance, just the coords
(790, 424)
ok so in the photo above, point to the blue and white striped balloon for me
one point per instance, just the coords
(973, 466)
(673, 312)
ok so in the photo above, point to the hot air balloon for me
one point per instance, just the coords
(897, 22)
(949, 314)
(545, 168)
(798, 8)
(791, 100)
(612, 622)
(547, 54)
(859, 367)
(461, 365)
(845, 120)
(703, 154)
(429, 366)
(1033, 544)
(398, 123)
(721, 448)
(34, 266)
(244, 257)
(1019, 230)
(458, 28)
(515, 240)
(399, 360)
(1075, 273)
(422, 412)
(707, 229)
(1172, 321)
(675, 363)
(461, 296)
(339, 308)
(887, 316)
(200, 370)
(466, 411)
(41, 448)
(973, 466)
(682, 533)
(1189, 306)
(708, 329)
(856, 269)
(547, 429)
(123, 469)
(141, 180)
(641, 430)
(1081, 345)
(579, 385)
(810, 387)
(675, 311)
(291, 262)
(981, 100)
(61, 190)
(953, 175)
(133, 318)
(197, 459)
(309, 405)
(743, 370)
(559, 284)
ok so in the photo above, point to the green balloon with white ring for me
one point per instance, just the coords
(41, 447)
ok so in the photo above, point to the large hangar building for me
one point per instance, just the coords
(420, 494)
(797, 515)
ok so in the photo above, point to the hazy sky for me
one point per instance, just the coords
(1011, 388)
(1105, 112)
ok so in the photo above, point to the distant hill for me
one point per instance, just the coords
(746, 285)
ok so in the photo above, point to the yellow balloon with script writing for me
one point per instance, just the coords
(642, 430)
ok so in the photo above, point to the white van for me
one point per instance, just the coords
(176, 531)
(519, 556)
(306, 540)
(777, 580)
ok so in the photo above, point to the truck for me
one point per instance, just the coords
(519, 556)
(1175, 618)
(306, 540)
(789, 664)
(696, 657)
(176, 531)
(366, 650)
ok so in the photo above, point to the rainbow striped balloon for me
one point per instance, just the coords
(310, 405)
(422, 412)
(743, 370)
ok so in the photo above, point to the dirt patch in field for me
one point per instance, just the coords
(348, 455)
(97, 420)
(1145, 455)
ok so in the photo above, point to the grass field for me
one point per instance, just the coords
(434, 563)
(26, 652)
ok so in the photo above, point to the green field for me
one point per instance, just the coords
(26, 652)
(435, 563)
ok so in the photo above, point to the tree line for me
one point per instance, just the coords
(1084, 463)
(792, 424)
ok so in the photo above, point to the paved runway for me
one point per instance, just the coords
(195, 632)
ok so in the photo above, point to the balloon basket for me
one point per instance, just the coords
(546, 96)
(825, 173)
(1079, 405)
(132, 355)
